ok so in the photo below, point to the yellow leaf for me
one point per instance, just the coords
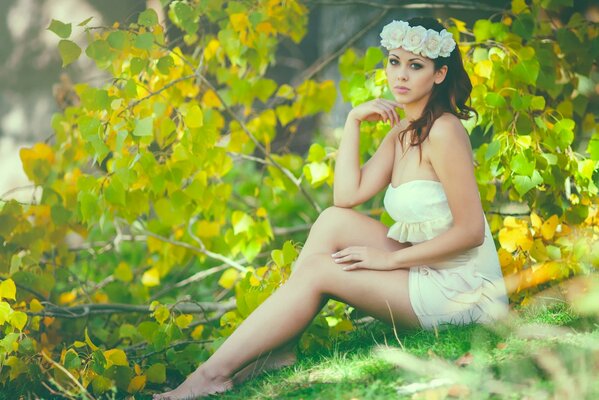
(484, 68)
(137, 383)
(254, 281)
(35, 306)
(548, 227)
(211, 100)
(183, 321)
(505, 258)
(261, 212)
(194, 117)
(115, 357)
(5, 312)
(161, 314)
(137, 369)
(511, 239)
(535, 221)
(123, 272)
(262, 270)
(228, 278)
(18, 320)
(151, 277)
(8, 290)
(239, 21)
(89, 341)
(211, 49)
(67, 297)
(196, 334)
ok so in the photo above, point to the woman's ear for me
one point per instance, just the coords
(440, 74)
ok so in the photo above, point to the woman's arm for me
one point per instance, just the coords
(451, 157)
(354, 184)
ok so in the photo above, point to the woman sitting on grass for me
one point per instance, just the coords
(436, 265)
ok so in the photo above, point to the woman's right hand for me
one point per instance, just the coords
(376, 110)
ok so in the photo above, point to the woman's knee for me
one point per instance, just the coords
(309, 269)
(331, 218)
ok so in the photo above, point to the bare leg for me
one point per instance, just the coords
(291, 308)
(319, 241)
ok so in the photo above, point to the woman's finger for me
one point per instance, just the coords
(386, 113)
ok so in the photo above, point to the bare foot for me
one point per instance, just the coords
(272, 362)
(197, 384)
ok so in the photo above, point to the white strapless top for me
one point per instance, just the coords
(419, 209)
(421, 212)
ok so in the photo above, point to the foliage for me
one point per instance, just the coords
(164, 178)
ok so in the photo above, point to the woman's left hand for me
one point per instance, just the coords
(364, 258)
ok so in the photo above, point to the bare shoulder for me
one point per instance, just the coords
(448, 130)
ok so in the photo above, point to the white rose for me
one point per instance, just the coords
(414, 39)
(393, 34)
(432, 44)
(447, 43)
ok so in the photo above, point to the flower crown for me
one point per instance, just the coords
(417, 39)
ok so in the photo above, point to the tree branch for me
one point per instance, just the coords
(84, 310)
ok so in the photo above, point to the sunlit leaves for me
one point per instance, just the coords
(69, 52)
(147, 18)
(8, 289)
(61, 29)
(228, 278)
(144, 127)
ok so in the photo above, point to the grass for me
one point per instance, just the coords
(549, 352)
(546, 352)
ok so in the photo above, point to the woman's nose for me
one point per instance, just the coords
(402, 74)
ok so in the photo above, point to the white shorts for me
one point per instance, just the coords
(454, 296)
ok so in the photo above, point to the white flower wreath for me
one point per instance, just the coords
(417, 39)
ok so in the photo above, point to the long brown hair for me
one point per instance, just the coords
(448, 96)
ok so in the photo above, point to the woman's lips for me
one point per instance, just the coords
(401, 89)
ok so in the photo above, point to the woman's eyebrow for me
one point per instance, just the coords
(411, 59)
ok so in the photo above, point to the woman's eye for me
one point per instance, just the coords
(416, 66)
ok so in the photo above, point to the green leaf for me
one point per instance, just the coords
(85, 21)
(241, 222)
(494, 100)
(144, 41)
(373, 56)
(88, 206)
(316, 153)
(593, 149)
(521, 165)
(115, 193)
(524, 183)
(156, 373)
(69, 52)
(164, 64)
(144, 127)
(117, 39)
(289, 252)
(61, 29)
(148, 18)
(72, 360)
(194, 117)
(492, 149)
(120, 139)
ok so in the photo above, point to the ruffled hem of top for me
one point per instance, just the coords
(416, 232)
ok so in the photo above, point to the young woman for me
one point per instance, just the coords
(436, 265)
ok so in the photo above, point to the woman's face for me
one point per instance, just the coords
(414, 72)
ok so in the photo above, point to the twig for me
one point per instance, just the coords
(319, 64)
(67, 373)
(209, 253)
(84, 310)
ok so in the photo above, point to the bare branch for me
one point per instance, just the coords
(84, 310)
